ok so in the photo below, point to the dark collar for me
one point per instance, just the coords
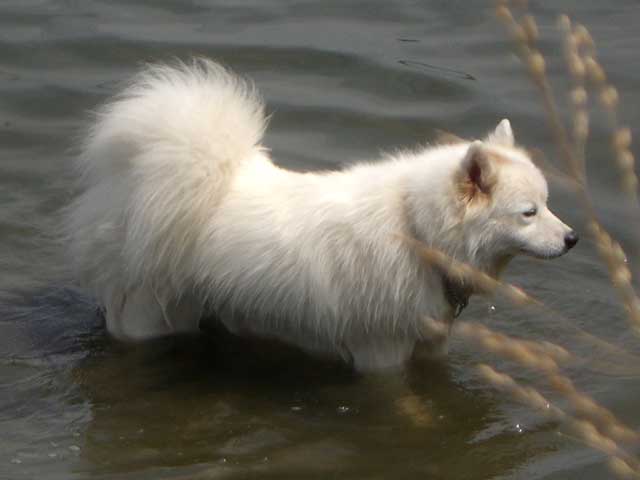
(456, 293)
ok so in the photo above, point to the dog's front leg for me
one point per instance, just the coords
(380, 354)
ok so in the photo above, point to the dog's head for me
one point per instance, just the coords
(504, 200)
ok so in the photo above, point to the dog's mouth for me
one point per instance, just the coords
(544, 255)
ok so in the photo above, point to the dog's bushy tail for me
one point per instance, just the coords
(155, 163)
(199, 108)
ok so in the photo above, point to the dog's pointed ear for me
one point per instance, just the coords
(477, 172)
(502, 135)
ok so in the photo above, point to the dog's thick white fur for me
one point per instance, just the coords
(183, 214)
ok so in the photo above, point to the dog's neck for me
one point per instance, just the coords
(455, 291)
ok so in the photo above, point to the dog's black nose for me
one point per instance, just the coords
(570, 239)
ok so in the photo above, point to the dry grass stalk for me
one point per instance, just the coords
(526, 395)
(621, 462)
(585, 71)
(544, 357)
(414, 408)
(465, 274)
(581, 52)
(591, 423)
(585, 430)
(579, 96)
(483, 283)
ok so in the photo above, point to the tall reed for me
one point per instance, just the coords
(589, 422)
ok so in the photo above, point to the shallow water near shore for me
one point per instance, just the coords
(343, 81)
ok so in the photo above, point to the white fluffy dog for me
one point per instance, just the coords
(184, 214)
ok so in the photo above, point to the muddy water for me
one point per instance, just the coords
(344, 80)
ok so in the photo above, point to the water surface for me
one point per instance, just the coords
(344, 81)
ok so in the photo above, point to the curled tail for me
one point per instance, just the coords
(197, 109)
(156, 162)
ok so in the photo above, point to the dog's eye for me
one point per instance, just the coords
(531, 212)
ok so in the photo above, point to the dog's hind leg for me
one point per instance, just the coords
(141, 314)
